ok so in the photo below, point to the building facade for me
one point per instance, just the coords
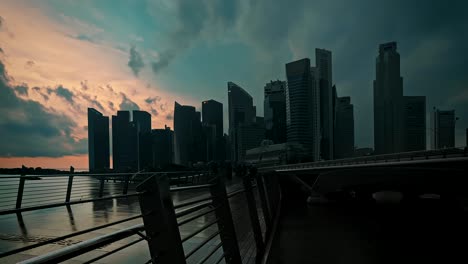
(443, 129)
(388, 95)
(242, 115)
(187, 135)
(414, 117)
(162, 147)
(323, 64)
(344, 128)
(302, 111)
(212, 117)
(98, 141)
(124, 142)
(275, 111)
(142, 121)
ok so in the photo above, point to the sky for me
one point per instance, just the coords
(59, 57)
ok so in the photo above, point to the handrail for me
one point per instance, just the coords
(100, 174)
(85, 246)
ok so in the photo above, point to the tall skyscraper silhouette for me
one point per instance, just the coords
(323, 63)
(162, 145)
(344, 128)
(443, 129)
(124, 142)
(98, 141)
(414, 127)
(244, 130)
(187, 135)
(302, 110)
(388, 93)
(212, 117)
(275, 111)
(142, 121)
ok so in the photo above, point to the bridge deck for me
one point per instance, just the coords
(368, 234)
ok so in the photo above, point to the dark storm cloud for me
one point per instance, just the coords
(64, 93)
(154, 112)
(136, 61)
(21, 89)
(92, 102)
(127, 104)
(111, 106)
(151, 100)
(193, 17)
(170, 116)
(28, 129)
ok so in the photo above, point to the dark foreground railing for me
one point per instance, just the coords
(162, 220)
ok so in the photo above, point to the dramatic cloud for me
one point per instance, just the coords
(21, 90)
(28, 129)
(170, 116)
(62, 92)
(193, 19)
(136, 61)
(127, 104)
(151, 100)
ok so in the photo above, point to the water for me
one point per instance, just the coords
(18, 230)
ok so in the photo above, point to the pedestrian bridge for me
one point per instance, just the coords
(375, 209)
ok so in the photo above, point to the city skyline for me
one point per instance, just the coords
(29, 76)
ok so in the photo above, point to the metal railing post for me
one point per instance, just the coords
(101, 186)
(252, 206)
(160, 221)
(225, 222)
(125, 187)
(70, 183)
(19, 196)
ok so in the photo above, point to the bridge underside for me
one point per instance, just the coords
(361, 230)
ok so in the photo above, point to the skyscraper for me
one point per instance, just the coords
(344, 128)
(142, 121)
(162, 146)
(212, 117)
(241, 113)
(124, 142)
(187, 135)
(414, 127)
(323, 63)
(98, 140)
(275, 111)
(388, 93)
(302, 110)
(443, 129)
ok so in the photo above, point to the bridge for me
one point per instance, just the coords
(326, 212)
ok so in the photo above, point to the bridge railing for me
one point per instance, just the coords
(20, 193)
(383, 158)
(163, 220)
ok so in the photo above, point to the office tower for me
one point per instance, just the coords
(443, 129)
(323, 63)
(466, 144)
(302, 110)
(210, 143)
(344, 128)
(187, 135)
(142, 121)
(212, 116)
(414, 126)
(388, 93)
(275, 111)
(124, 142)
(162, 147)
(98, 140)
(241, 117)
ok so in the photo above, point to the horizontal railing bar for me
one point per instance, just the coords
(183, 222)
(236, 192)
(104, 174)
(19, 250)
(114, 251)
(192, 209)
(210, 254)
(32, 208)
(85, 246)
(177, 206)
(195, 249)
(186, 188)
(46, 191)
(196, 232)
